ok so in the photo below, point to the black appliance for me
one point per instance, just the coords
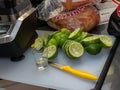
(17, 28)
(114, 24)
(35, 3)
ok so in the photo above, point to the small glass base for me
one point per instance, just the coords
(41, 68)
(41, 64)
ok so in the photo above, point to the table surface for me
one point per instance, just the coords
(112, 80)
(25, 71)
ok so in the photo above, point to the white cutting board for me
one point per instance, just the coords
(25, 71)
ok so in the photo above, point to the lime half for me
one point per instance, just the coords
(106, 41)
(65, 31)
(66, 48)
(64, 37)
(52, 41)
(45, 38)
(81, 37)
(76, 49)
(65, 44)
(90, 40)
(57, 36)
(51, 51)
(76, 33)
(93, 49)
(38, 44)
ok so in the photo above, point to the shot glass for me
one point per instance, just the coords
(40, 60)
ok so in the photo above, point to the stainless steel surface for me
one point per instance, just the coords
(4, 28)
(11, 10)
(13, 30)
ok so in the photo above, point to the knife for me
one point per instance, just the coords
(76, 72)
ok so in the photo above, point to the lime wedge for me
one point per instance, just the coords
(76, 33)
(106, 41)
(52, 41)
(82, 36)
(64, 37)
(38, 44)
(54, 33)
(90, 40)
(45, 38)
(66, 47)
(57, 36)
(65, 31)
(51, 51)
(76, 49)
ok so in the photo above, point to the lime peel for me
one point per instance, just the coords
(106, 41)
(93, 49)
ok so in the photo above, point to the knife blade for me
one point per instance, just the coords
(76, 72)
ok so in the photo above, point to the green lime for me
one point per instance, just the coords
(51, 52)
(78, 39)
(89, 35)
(60, 38)
(64, 37)
(55, 32)
(82, 36)
(76, 50)
(52, 41)
(38, 44)
(93, 48)
(66, 47)
(72, 49)
(75, 34)
(106, 41)
(45, 38)
(65, 31)
(90, 40)
(57, 36)
(64, 44)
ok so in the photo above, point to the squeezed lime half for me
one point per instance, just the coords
(90, 40)
(51, 51)
(76, 49)
(76, 33)
(106, 41)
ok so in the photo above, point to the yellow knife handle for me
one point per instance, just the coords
(79, 73)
